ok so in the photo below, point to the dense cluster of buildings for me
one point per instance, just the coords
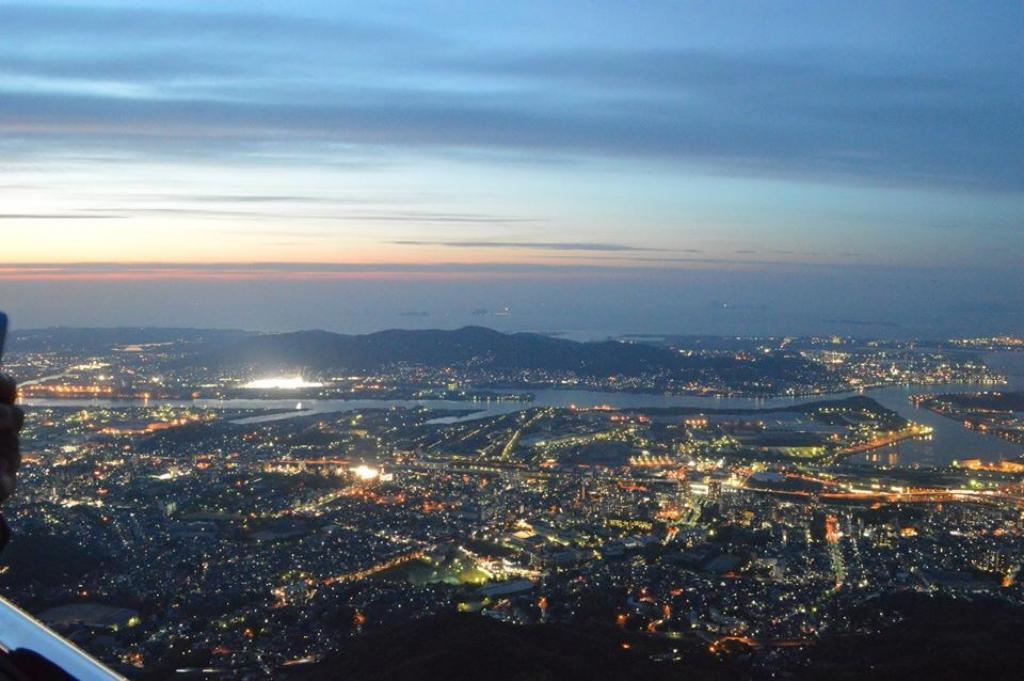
(172, 535)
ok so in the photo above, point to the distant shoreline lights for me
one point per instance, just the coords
(281, 383)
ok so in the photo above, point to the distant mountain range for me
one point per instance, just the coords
(323, 352)
(473, 346)
(101, 340)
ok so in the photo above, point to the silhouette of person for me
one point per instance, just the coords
(11, 420)
(21, 664)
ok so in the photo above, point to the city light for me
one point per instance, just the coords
(366, 473)
(281, 383)
(636, 341)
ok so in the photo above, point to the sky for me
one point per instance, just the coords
(588, 167)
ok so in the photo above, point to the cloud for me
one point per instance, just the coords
(58, 216)
(1013, 225)
(141, 67)
(251, 198)
(223, 83)
(524, 245)
(281, 272)
(148, 24)
(415, 217)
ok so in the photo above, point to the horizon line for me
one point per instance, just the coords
(98, 271)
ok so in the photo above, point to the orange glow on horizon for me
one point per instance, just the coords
(241, 272)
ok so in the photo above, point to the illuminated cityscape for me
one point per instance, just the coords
(209, 520)
(511, 341)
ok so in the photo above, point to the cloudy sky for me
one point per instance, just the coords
(593, 166)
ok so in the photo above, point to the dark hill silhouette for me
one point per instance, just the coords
(937, 637)
(486, 348)
(471, 648)
(940, 638)
(471, 344)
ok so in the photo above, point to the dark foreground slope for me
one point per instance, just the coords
(471, 648)
(937, 638)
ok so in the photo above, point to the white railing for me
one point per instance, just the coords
(19, 630)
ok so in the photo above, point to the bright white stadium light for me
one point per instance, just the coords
(364, 472)
(281, 383)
